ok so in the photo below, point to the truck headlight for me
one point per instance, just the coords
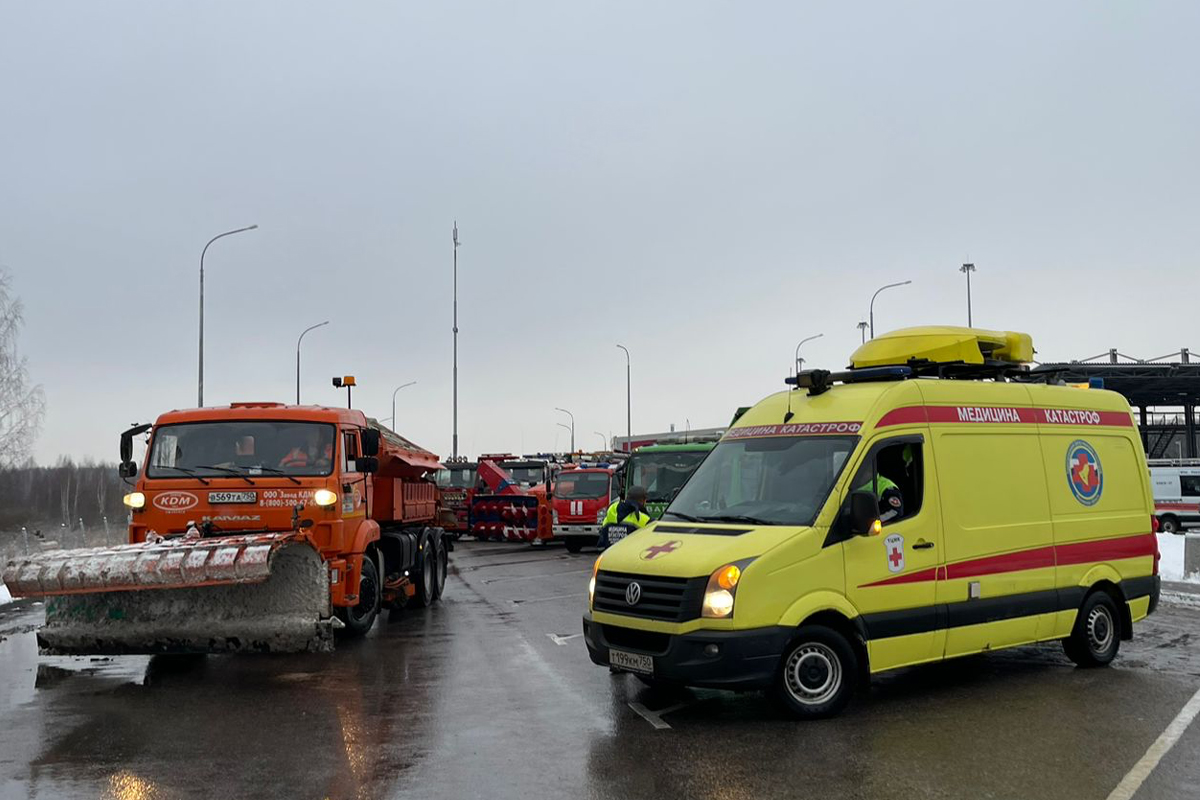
(324, 497)
(722, 590)
(592, 582)
(134, 500)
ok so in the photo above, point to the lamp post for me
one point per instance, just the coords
(200, 381)
(799, 360)
(603, 438)
(398, 388)
(877, 291)
(572, 416)
(567, 427)
(628, 395)
(967, 269)
(862, 328)
(298, 341)
(454, 439)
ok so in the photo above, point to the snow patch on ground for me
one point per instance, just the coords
(1171, 547)
(5, 597)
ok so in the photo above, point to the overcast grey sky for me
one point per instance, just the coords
(706, 183)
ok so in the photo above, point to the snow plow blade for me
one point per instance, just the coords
(258, 593)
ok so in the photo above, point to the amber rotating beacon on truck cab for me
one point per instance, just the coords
(935, 499)
(253, 527)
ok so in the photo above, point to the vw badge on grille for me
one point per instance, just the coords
(633, 593)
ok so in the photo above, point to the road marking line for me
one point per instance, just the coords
(1166, 740)
(649, 716)
(531, 577)
(576, 595)
(561, 641)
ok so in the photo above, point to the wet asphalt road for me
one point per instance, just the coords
(482, 697)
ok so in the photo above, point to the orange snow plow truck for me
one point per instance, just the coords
(255, 527)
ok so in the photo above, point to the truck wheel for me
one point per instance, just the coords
(441, 567)
(360, 618)
(1169, 524)
(573, 544)
(1097, 635)
(817, 673)
(426, 577)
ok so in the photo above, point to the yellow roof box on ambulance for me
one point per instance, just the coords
(935, 499)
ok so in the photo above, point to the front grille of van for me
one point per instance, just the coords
(668, 599)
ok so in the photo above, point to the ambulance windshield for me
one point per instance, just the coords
(778, 480)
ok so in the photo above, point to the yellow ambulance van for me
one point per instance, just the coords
(936, 499)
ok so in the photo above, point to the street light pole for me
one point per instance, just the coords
(572, 416)
(862, 328)
(454, 440)
(398, 388)
(298, 341)
(603, 438)
(200, 381)
(567, 427)
(628, 395)
(877, 291)
(799, 360)
(967, 269)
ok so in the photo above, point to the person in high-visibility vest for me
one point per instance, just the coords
(891, 499)
(624, 517)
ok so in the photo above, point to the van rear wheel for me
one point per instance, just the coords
(1097, 635)
(817, 673)
(1169, 524)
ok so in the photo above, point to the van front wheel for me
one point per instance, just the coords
(817, 673)
(1097, 635)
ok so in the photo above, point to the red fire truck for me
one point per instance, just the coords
(580, 498)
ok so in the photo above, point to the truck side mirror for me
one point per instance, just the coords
(370, 441)
(127, 441)
(864, 514)
(127, 469)
(367, 464)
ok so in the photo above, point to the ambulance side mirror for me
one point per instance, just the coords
(864, 513)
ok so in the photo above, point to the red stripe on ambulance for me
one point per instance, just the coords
(1000, 415)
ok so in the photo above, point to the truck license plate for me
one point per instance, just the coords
(232, 497)
(633, 662)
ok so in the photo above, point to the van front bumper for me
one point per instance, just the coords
(743, 659)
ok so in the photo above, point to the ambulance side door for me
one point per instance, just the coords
(891, 577)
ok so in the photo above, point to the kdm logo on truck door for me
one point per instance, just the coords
(1083, 472)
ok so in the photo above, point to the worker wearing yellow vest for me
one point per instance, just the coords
(624, 517)
(891, 499)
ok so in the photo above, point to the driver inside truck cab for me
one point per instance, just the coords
(891, 476)
(311, 454)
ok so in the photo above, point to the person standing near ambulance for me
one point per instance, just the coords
(624, 517)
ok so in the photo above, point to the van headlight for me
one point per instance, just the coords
(592, 582)
(324, 497)
(134, 500)
(722, 590)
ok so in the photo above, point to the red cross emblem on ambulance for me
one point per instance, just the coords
(654, 551)
(893, 547)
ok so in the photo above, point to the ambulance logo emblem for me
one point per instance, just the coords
(893, 547)
(1084, 474)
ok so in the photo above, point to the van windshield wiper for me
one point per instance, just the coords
(275, 471)
(738, 518)
(230, 470)
(685, 517)
(185, 471)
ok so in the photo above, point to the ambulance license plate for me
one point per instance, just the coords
(631, 662)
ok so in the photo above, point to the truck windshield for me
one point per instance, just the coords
(661, 474)
(581, 484)
(456, 478)
(526, 476)
(219, 449)
(766, 481)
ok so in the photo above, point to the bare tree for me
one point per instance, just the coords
(21, 403)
